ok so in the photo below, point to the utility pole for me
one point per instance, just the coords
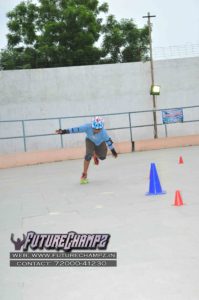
(152, 73)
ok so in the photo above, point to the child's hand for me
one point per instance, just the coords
(59, 131)
(62, 131)
(114, 153)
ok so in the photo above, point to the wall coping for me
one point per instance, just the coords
(55, 155)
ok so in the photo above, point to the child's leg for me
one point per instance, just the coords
(86, 166)
(101, 151)
(95, 158)
(90, 148)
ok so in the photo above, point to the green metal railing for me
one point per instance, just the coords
(129, 115)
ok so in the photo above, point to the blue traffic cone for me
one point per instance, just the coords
(154, 184)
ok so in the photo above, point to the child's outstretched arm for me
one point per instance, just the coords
(79, 129)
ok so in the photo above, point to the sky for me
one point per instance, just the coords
(176, 21)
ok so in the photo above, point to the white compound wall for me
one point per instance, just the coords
(101, 89)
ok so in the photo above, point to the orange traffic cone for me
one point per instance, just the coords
(178, 199)
(181, 160)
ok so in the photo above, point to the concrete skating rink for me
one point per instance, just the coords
(157, 243)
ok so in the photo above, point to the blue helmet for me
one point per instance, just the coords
(97, 123)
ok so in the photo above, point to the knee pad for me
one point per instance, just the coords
(102, 157)
(88, 157)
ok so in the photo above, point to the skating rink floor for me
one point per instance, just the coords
(157, 243)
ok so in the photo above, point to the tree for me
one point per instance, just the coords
(55, 33)
(124, 42)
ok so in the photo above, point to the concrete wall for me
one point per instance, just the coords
(39, 157)
(71, 91)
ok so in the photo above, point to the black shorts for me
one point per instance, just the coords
(101, 150)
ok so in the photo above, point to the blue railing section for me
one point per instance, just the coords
(24, 122)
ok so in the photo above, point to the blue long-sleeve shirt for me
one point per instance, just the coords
(96, 138)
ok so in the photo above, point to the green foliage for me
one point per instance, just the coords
(55, 33)
(124, 42)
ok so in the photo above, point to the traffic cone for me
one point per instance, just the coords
(181, 160)
(178, 199)
(154, 184)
